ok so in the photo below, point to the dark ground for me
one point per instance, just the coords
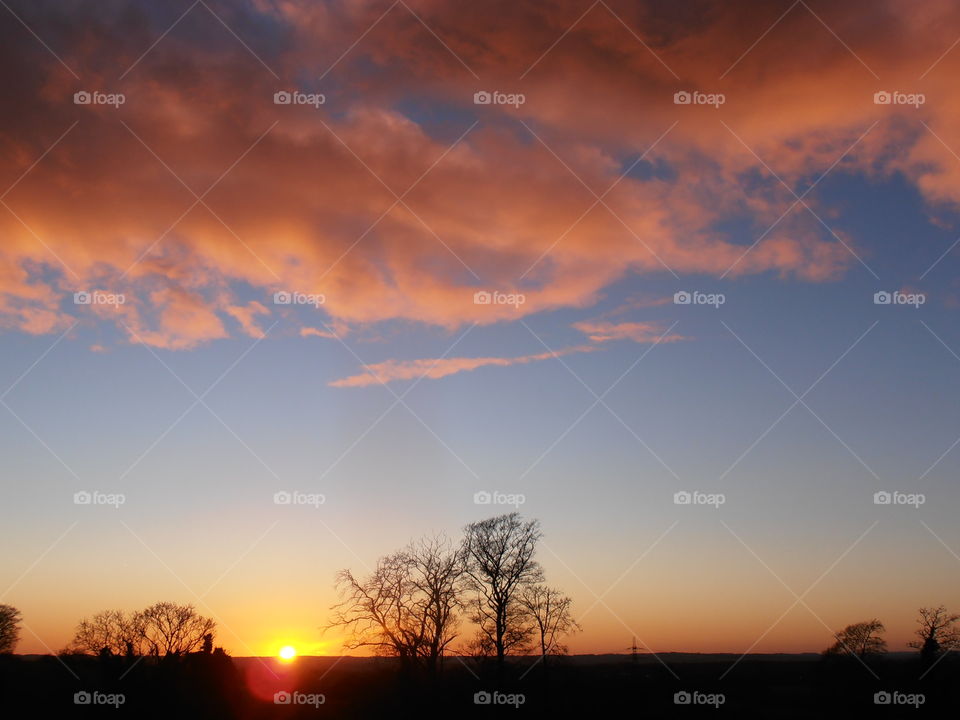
(211, 686)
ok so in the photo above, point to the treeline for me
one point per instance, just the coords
(412, 604)
(937, 634)
(164, 629)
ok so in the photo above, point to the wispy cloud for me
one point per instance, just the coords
(433, 368)
(392, 370)
(638, 303)
(246, 317)
(316, 332)
(640, 332)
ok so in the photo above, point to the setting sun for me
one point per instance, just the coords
(287, 652)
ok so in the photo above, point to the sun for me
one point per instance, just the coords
(287, 652)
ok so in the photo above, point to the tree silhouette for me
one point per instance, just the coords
(937, 632)
(114, 630)
(171, 629)
(499, 564)
(161, 629)
(408, 605)
(9, 628)
(860, 639)
(549, 610)
(437, 573)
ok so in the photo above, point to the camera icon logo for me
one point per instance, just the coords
(682, 498)
(81, 298)
(882, 698)
(682, 698)
(482, 498)
(82, 498)
(82, 98)
(882, 498)
(282, 498)
(882, 298)
(482, 297)
(482, 698)
(82, 698)
(282, 298)
(282, 97)
(482, 98)
(682, 98)
(681, 298)
(881, 97)
(282, 698)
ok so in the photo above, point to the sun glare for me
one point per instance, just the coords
(287, 652)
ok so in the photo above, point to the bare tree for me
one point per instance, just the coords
(170, 629)
(499, 564)
(9, 628)
(437, 572)
(408, 606)
(549, 609)
(860, 639)
(374, 608)
(161, 629)
(937, 632)
(115, 631)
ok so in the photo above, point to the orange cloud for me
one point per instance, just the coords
(246, 316)
(391, 370)
(169, 318)
(199, 198)
(315, 332)
(640, 332)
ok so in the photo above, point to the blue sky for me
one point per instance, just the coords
(200, 397)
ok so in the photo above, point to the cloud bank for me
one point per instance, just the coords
(398, 197)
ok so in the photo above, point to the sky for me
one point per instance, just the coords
(575, 258)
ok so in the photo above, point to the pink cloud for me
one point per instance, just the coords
(306, 201)
(316, 332)
(246, 316)
(640, 332)
(392, 370)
